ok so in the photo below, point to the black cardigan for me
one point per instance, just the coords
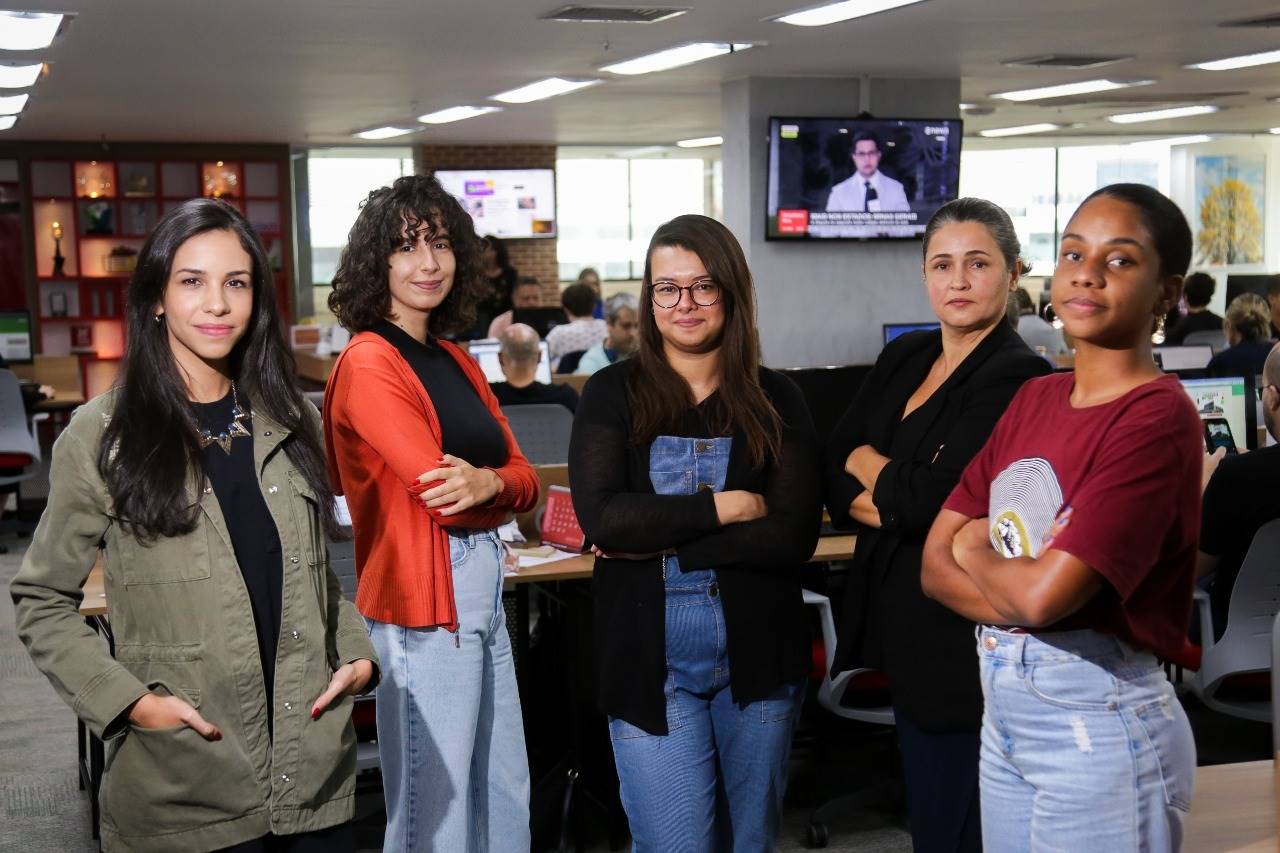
(757, 563)
(886, 622)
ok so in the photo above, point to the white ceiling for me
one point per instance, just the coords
(315, 71)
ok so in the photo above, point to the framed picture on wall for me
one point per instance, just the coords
(81, 337)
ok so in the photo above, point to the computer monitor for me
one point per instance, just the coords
(829, 391)
(486, 353)
(1252, 283)
(1228, 397)
(893, 330)
(542, 320)
(1183, 358)
(15, 337)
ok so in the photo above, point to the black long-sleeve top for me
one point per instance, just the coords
(886, 621)
(757, 563)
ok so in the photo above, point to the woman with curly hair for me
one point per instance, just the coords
(429, 468)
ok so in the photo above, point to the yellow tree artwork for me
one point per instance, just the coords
(1230, 221)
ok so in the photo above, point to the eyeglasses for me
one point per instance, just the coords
(704, 293)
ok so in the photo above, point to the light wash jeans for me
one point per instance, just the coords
(716, 780)
(455, 773)
(1084, 746)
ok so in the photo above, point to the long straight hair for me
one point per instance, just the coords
(659, 396)
(150, 449)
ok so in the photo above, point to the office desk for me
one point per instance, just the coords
(1234, 809)
(315, 368)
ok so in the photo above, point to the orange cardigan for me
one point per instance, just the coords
(381, 434)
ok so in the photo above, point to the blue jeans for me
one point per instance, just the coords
(716, 780)
(1084, 745)
(455, 772)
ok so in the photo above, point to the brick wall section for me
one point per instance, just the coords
(535, 257)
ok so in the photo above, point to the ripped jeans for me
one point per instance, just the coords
(1084, 745)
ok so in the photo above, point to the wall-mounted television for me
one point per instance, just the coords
(514, 203)
(864, 179)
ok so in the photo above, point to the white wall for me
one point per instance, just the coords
(821, 303)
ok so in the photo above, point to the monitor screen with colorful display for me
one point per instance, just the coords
(832, 178)
(1226, 398)
(507, 203)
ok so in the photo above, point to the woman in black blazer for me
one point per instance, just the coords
(923, 412)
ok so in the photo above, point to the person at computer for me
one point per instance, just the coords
(582, 332)
(591, 278)
(694, 471)
(1243, 493)
(868, 189)
(518, 357)
(1039, 333)
(1071, 541)
(621, 321)
(927, 406)
(528, 294)
(1248, 328)
(1198, 291)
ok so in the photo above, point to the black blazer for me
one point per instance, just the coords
(757, 563)
(886, 622)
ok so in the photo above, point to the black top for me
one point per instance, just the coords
(254, 537)
(1242, 495)
(757, 563)
(1204, 321)
(886, 622)
(1245, 358)
(467, 428)
(535, 392)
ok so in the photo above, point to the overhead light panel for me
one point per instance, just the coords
(383, 132)
(13, 104)
(1020, 130)
(674, 57)
(7, 122)
(1169, 141)
(456, 114)
(1084, 87)
(19, 76)
(700, 142)
(28, 30)
(1275, 130)
(542, 90)
(1233, 62)
(834, 13)
(1161, 115)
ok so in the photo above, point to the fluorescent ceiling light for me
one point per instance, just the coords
(1275, 130)
(1020, 129)
(19, 76)
(542, 89)
(674, 57)
(700, 142)
(645, 151)
(383, 132)
(1233, 62)
(6, 122)
(456, 114)
(13, 104)
(1174, 140)
(833, 13)
(1084, 87)
(28, 30)
(1159, 115)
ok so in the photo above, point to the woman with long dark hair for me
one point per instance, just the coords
(226, 708)
(419, 446)
(1071, 539)
(695, 474)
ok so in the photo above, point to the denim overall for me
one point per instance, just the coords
(716, 780)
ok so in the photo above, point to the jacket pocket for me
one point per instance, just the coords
(327, 759)
(170, 670)
(170, 559)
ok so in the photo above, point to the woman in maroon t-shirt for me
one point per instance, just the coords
(1072, 538)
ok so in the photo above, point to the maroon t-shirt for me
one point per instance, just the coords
(1129, 471)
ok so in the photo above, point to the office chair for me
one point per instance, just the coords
(569, 361)
(1245, 647)
(1215, 338)
(542, 431)
(19, 444)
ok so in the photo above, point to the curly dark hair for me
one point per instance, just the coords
(361, 296)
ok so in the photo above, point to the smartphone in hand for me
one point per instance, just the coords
(1217, 433)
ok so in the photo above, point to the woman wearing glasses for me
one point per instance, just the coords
(695, 474)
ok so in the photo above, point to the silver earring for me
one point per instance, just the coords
(158, 320)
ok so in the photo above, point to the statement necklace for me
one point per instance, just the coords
(235, 429)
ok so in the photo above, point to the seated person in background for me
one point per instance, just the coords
(583, 331)
(1243, 493)
(1198, 290)
(1273, 302)
(528, 294)
(591, 278)
(1248, 328)
(1034, 329)
(518, 357)
(621, 321)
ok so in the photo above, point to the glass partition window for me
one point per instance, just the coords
(1020, 180)
(339, 180)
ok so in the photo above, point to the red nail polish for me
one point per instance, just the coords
(315, 713)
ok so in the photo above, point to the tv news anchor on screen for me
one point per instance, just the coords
(925, 409)
(1071, 538)
(868, 189)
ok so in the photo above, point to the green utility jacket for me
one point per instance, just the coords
(182, 623)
